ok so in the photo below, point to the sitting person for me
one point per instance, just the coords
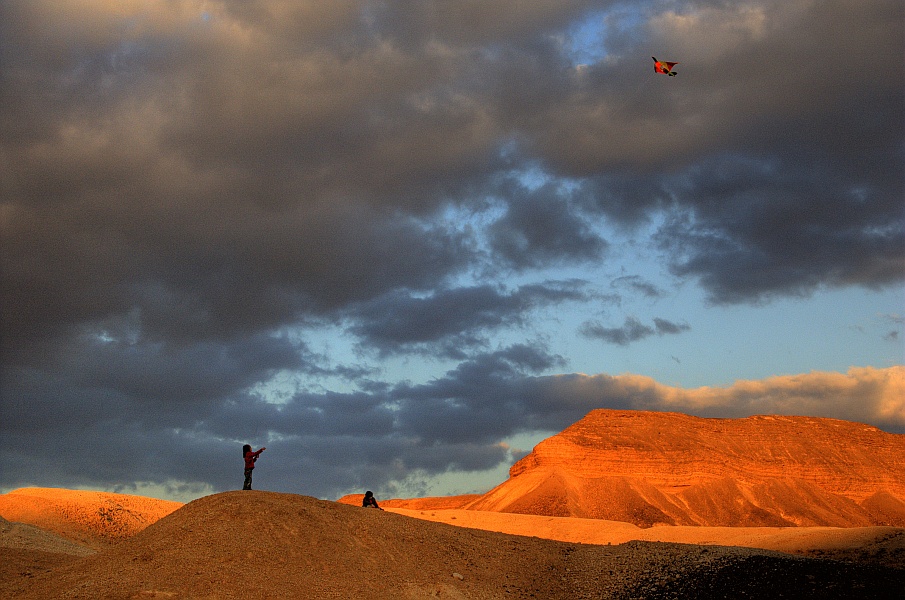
(369, 501)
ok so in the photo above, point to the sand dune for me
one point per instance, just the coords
(268, 545)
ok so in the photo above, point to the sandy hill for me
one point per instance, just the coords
(258, 544)
(652, 468)
(95, 519)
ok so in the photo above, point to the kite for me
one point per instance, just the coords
(664, 67)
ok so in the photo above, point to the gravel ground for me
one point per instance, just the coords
(656, 571)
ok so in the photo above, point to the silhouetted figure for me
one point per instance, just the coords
(250, 460)
(369, 501)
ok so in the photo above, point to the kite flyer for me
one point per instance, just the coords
(250, 459)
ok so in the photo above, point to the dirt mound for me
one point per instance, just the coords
(97, 519)
(19, 536)
(651, 468)
(263, 545)
(266, 545)
(29, 550)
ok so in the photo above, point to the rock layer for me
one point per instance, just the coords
(652, 468)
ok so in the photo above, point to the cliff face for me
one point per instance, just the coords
(649, 468)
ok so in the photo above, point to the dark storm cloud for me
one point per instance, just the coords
(202, 371)
(541, 227)
(477, 402)
(188, 189)
(156, 385)
(236, 272)
(759, 231)
(450, 321)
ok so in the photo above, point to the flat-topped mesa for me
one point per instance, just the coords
(651, 467)
(674, 449)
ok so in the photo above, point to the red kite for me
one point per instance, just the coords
(664, 67)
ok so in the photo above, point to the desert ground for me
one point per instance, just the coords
(259, 544)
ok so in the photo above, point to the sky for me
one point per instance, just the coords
(400, 242)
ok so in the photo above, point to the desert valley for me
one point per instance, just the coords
(622, 504)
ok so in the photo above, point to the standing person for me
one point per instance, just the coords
(369, 501)
(250, 459)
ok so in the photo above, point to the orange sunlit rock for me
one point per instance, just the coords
(92, 518)
(651, 468)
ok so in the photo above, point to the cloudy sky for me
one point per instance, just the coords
(399, 242)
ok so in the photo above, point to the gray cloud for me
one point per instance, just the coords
(763, 236)
(451, 321)
(663, 326)
(631, 331)
(895, 320)
(639, 285)
(540, 228)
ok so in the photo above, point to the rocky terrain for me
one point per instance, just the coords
(259, 544)
(651, 468)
